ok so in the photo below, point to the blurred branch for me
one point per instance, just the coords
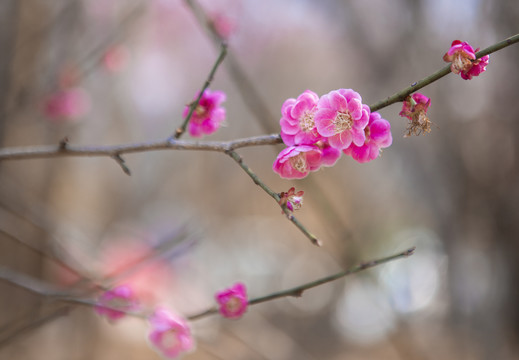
(298, 290)
(401, 95)
(194, 104)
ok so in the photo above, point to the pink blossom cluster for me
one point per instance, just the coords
(463, 60)
(317, 130)
(208, 115)
(170, 334)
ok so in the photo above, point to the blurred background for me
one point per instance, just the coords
(128, 68)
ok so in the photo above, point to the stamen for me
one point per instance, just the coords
(307, 122)
(342, 122)
(299, 163)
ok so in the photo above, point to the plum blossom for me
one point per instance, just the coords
(330, 155)
(208, 114)
(463, 59)
(233, 301)
(121, 297)
(67, 105)
(415, 109)
(341, 118)
(378, 136)
(296, 162)
(297, 120)
(170, 334)
(291, 199)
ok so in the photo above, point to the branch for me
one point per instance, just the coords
(194, 104)
(236, 157)
(52, 151)
(298, 290)
(401, 95)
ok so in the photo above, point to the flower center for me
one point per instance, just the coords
(306, 123)
(170, 339)
(233, 304)
(342, 122)
(200, 111)
(461, 63)
(299, 162)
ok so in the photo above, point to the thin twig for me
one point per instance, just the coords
(401, 95)
(236, 157)
(178, 133)
(247, 91)
(298, 290)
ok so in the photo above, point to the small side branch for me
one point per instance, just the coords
(194, 104)
(298, 290)
(236, 157)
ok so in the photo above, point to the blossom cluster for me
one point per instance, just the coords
(170, 333)
(317, 130)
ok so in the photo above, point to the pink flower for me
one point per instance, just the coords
(341, 118)
(297, 120)
(121, 297)
(415, 109)
(233, 301)
(463, 59)
(378, 135)
(478, 66)
(67, 105)
(295, 162)
(170, 334)
(208, 114)
(292, 200)
(330, 155)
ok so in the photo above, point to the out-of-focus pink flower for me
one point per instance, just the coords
(291, 199)
(67, 105)
(378, 136)
(295, 162)
(415, 109)
(170, 334)
(208, 114)
(233, 301)
(297, 120)
(115, 58)
(223, 25)
(341, 118)
(121, 297)
(124, 258)
(463, 59)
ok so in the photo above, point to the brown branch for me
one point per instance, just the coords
(52, 151)
(298, 290)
